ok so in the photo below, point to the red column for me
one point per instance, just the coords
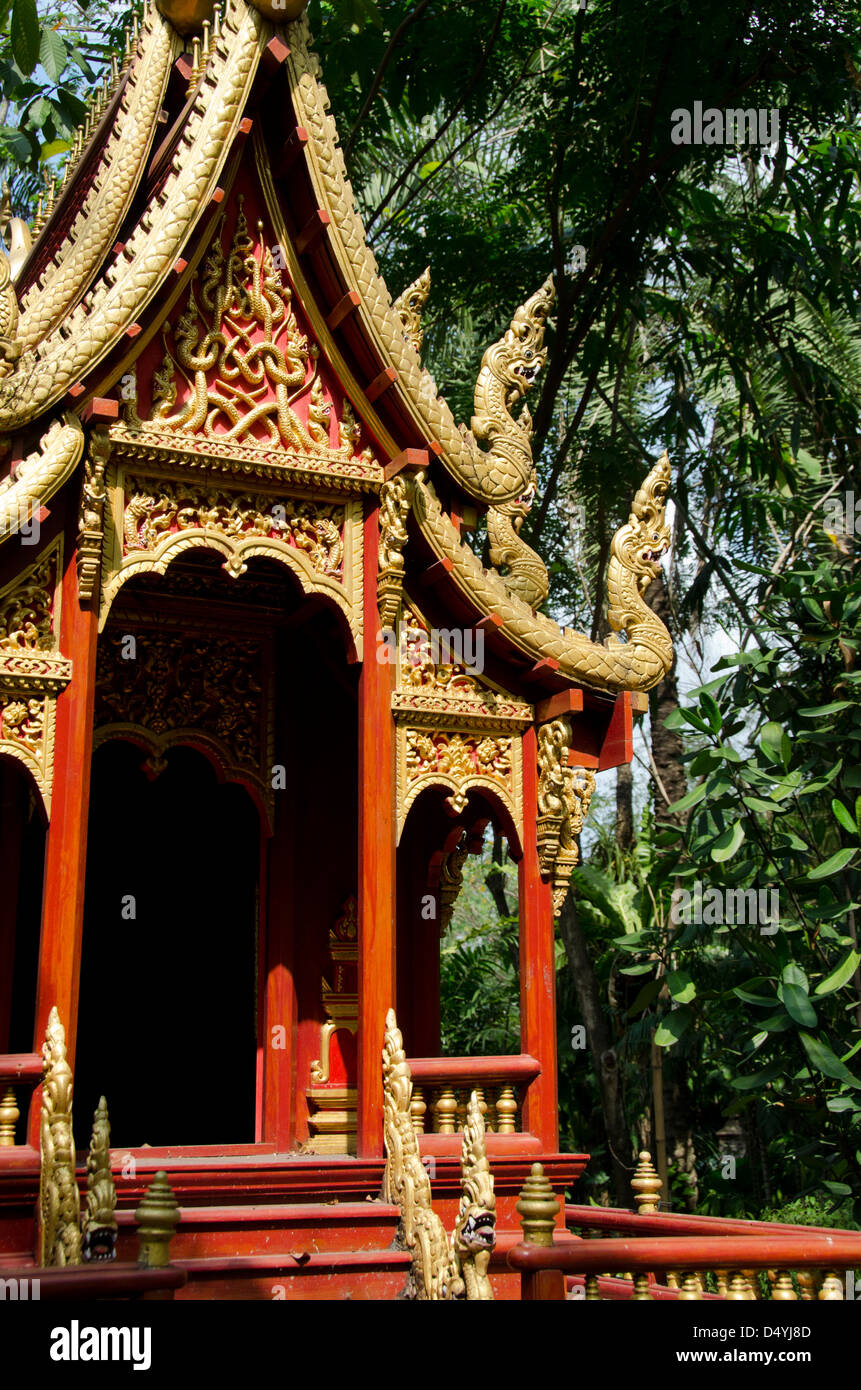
(376, 859)
(537, 966)
(66, 846)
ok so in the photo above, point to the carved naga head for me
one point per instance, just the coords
(520, 354)
(641, 543)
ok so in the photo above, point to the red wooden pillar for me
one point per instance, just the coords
(537, 966)
(377, 982)
(66, 845)
(11, 824)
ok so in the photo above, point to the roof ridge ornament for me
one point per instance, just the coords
(409, 306)
(508, 370)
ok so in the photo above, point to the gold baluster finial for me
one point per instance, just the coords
(692, 1289)
(783, 1290)
(647, 1186)
(832, 1286)
(538, 1208)
(9, 1116)
(156, 1219)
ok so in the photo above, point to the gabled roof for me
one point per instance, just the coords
(133, 204)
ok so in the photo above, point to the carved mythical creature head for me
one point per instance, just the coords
(523, 355)
(641, 543)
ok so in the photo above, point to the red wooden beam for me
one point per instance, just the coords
(293, 146)
(407, 461)
(350, 301)
(436, 572)
(564, 702)
(381, 383)
(492, 623)
(275, 53)
(101, 408)
(313, 229)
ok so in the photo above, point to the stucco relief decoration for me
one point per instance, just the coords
(457, 761)
(236, 362)
(155, 511)
(207, 686)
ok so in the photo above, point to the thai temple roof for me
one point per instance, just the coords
(140, 201)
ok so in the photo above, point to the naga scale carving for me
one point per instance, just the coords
(525, 571)
(636, 664)
(564, 794)
(442, 1269)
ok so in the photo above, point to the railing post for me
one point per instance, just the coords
(538, 1210)
(9, 1116)
(157, 1218)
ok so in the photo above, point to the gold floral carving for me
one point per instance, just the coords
(564, 794)
(26, 610)
(239, 345)
(100, 1223)
(97, 323)
(152, 520)
(59, 1200)
(635, 664)
(442, 1269)
(458, 762)
(436, 687)
(409, 306)
(179, 688)
(394, 509)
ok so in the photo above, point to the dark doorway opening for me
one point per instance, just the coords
(22, 862)
(167, 1024)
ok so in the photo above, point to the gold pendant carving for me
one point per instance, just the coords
(394, 510)
(564, 794)
(59, 1200)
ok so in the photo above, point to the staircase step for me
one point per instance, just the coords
(289, 1228)
(331, 1274)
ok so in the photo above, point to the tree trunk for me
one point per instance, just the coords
(495, 878)
(601, 1046)
(625, 806)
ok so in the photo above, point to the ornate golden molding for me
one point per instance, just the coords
(442, 1270)
(564, 794)
(200, 690)
(451, 882)
(152, 519)
(91, 525)
(59, 1200)
(435, 689)
(459, 763)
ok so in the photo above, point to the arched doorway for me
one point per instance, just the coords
(22, 857)
(168, 1024)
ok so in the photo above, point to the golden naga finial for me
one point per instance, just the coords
(59, 1200)
(474, 1236)
(100, 1223)
(508, 370)
(409, 306)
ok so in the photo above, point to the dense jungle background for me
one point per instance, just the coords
(707, 303)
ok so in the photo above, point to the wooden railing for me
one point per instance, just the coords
(442, 1087)
(24, 1069)
(660, 1256)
